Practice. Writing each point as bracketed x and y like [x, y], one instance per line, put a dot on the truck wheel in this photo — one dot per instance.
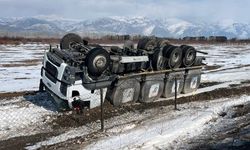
[97, 61]
[157, 60]
[161, 43]
[68, 39]
[188, 55]
[173, 55]
[165, 50]
[151, 45]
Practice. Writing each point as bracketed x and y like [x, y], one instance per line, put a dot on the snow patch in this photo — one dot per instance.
[20, 117]
[164, 129]
[148, 30]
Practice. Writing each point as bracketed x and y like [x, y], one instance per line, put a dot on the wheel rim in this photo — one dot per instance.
[99, 62]
[190, 56]
[176, 57]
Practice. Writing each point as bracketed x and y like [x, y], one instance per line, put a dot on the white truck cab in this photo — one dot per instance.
[53, 75]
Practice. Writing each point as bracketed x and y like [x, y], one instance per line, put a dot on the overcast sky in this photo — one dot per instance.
[208, 10]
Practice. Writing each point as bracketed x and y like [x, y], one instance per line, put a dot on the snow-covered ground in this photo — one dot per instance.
[167, 126]
[20, 66]
[153, 128]
[232, 60]
[26, 115]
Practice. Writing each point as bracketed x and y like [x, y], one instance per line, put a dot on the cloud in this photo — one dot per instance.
[208, 10]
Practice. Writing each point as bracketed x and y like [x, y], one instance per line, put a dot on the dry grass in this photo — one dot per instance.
[105, 40]
[22, 40]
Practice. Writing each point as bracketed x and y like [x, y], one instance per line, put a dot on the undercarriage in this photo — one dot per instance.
[74, 73]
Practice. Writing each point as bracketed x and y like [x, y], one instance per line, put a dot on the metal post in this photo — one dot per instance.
[102, 112]
[175, 93]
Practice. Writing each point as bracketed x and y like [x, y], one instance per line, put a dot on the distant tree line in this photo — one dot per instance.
[114, 38]
[219, 39]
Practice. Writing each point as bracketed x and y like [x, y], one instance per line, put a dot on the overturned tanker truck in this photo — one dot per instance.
[74, 72]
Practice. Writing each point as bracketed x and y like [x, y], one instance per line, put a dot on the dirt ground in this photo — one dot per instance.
[16, 94]
[28, 62]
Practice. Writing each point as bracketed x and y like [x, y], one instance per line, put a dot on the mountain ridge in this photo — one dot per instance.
[172, 27]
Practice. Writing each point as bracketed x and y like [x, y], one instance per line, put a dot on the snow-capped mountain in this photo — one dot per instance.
[53, 25]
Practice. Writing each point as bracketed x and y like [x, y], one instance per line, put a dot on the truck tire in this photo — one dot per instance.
[161, 43]
[68, 39]
[188, 55]
[173, 56]
[151, 44]
[97, 61]
[157, 59]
